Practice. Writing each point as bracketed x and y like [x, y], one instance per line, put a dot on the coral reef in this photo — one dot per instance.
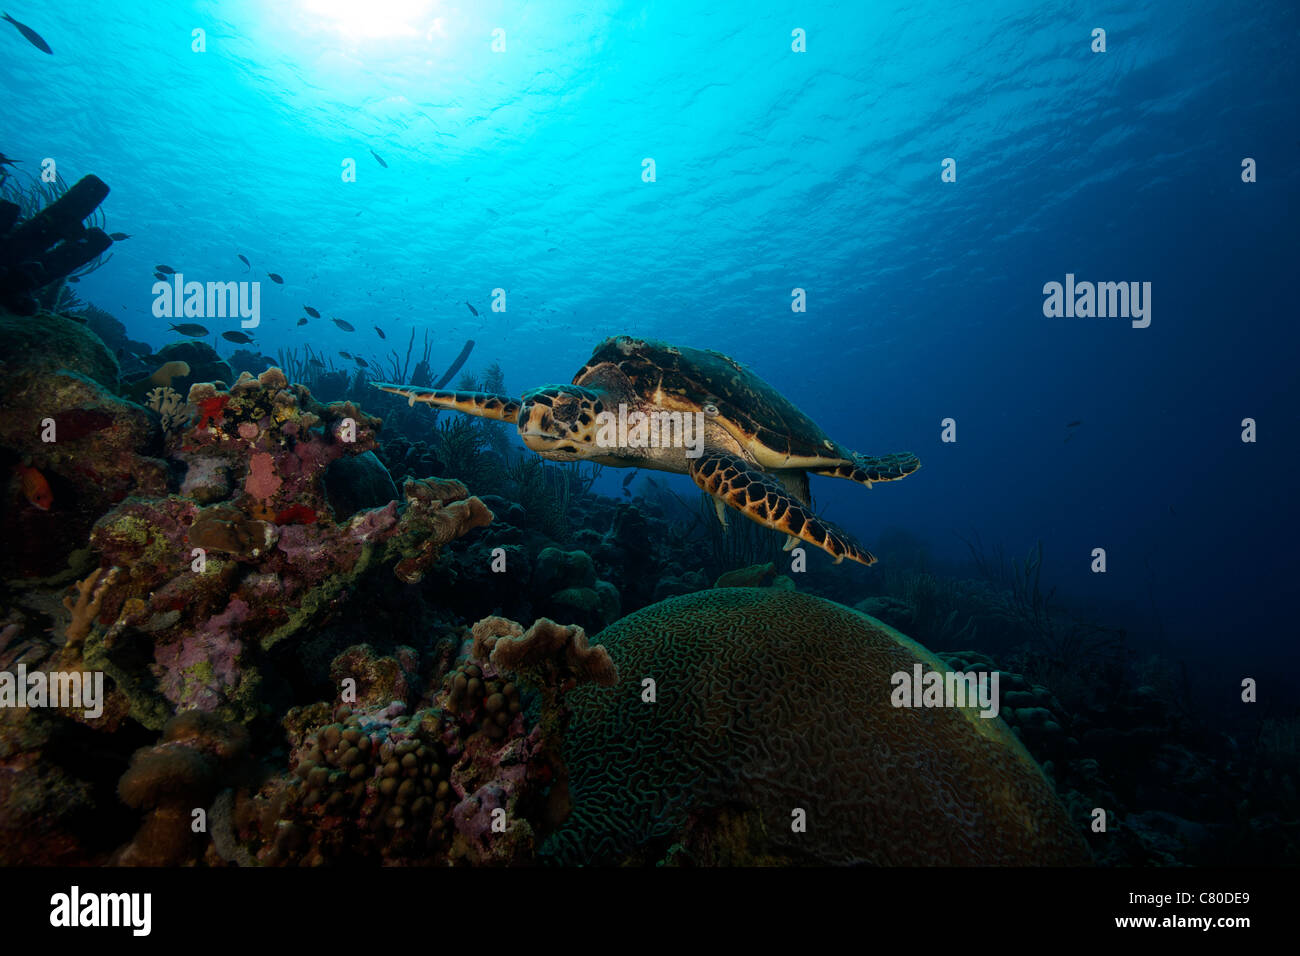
[271, 561]
[469, 777]
[173, 779]
[732, 742]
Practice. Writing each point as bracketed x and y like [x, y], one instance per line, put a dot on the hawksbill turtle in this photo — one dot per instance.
[755, 454]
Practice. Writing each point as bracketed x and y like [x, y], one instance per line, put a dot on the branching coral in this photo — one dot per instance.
[90, 595]
[174, 411]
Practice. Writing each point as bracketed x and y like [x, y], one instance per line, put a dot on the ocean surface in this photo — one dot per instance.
[521, 168]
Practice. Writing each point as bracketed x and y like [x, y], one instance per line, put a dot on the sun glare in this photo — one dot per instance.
[373, 18]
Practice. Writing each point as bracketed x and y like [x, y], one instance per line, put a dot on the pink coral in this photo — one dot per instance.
[263, 482]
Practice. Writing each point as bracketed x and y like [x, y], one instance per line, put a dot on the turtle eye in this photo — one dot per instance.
[710, 409]
[566, 409]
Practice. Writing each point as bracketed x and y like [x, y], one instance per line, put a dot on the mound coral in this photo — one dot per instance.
[768, 702]
[174, 778]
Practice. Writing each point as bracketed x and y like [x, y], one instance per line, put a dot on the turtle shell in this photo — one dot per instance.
[763, 420]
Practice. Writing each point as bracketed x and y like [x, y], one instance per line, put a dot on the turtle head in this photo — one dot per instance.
[560, 421]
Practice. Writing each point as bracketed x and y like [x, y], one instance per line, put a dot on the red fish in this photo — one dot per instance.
[35, 488]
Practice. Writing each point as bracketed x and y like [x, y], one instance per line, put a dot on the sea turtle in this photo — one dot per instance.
[644, 404]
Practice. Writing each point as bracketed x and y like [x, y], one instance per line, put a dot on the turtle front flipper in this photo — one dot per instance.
[865, 469]
[762, 498]
[480, 404]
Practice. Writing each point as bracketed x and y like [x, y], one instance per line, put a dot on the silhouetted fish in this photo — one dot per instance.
[165, 270]
[275, 278]
[192, 329]
[118, 236]
[244, 261]
[345, 355]
[316, 363]
[381, 332]
[302, 321]
[310, 311]
[160, 277]
[32, 36]
[345, 326]
[360, 361]
[73, 279]
[632, 474]
[6, 161]
[239, 337]
[1073, 424]
[378, 159]
[471, 308]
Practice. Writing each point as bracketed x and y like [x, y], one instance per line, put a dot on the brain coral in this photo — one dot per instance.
[768, 700]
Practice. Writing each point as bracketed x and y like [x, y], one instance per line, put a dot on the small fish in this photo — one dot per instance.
[6, 161]
[160, 277]
[345, 355]
[238, 337]
[302, 321]
[310, 311]
[35, 488]
[632, 474]
[192, 329]
[73, 279]
[381, 332]
[275, 278]
[315, 363]
[32, 36]
[471, 308]
[1073, 424]
[345, 326]
[378, 159]
[360, 361]
[241, 258]
[118, 236]
[165, 270]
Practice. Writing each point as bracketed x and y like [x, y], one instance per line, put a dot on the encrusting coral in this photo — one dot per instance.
[206, 591]
[471, 776]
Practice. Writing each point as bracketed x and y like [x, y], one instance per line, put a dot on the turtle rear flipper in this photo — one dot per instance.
[762, 498]
[480, 404]
[865, 469]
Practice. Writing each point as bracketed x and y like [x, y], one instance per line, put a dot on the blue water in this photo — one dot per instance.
[522, 170]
